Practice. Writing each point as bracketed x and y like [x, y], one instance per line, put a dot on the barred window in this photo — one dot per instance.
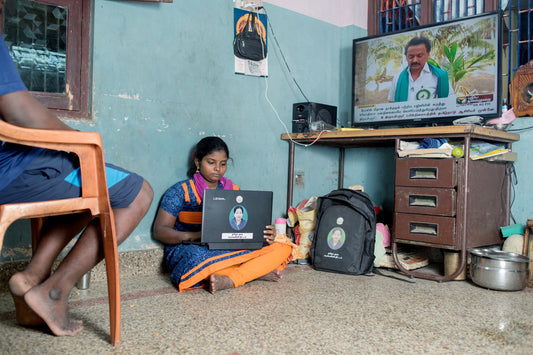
[49, 43]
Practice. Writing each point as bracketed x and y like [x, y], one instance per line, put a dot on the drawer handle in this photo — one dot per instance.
[423, 173]
[423, 228]
[422, 201]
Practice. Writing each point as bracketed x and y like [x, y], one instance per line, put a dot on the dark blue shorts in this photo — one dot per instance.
[55, 175]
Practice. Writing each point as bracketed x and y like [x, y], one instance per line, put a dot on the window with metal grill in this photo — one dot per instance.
[49, 43]
[399, 14]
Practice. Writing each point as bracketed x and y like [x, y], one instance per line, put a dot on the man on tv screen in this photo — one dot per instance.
[420, 80]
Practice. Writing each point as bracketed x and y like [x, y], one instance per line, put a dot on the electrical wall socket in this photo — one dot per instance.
[299, 178]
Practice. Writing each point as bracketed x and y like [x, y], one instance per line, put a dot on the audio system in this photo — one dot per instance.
[311, 116]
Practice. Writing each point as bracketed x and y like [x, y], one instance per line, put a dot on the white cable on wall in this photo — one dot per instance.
[294, 79]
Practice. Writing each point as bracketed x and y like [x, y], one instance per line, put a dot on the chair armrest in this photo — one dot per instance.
[86, 145]
[45, 137]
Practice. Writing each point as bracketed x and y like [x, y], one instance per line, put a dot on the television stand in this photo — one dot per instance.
[471, 183]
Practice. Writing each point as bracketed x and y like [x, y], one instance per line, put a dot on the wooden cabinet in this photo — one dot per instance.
[425, 201]
[452, 204]
[430, 196]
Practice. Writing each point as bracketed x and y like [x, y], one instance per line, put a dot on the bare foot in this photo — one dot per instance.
[53, 308]
[274, 275]
[219, 283]
[19, 284]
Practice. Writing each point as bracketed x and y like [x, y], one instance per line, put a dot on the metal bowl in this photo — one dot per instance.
[499, 126]
[498, 269]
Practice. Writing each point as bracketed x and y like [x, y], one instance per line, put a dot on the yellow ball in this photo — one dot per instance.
[458, 152]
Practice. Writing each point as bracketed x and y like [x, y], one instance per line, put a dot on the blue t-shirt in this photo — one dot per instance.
[10, 80]
[13, 158]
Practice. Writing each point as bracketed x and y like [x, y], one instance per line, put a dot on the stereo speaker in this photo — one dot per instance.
[311, 116]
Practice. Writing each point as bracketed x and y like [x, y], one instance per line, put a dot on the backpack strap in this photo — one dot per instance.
[377, 272]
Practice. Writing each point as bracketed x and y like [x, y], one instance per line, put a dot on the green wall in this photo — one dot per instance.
[163, 78]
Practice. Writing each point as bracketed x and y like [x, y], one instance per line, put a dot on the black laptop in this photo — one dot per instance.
[235, 219]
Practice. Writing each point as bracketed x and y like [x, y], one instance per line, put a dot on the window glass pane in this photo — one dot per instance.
[36, 35]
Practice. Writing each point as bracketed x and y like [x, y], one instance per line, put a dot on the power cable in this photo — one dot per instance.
[293, 78]
[281, 52]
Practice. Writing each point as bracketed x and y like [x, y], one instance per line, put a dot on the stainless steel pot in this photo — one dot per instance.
[498, 270]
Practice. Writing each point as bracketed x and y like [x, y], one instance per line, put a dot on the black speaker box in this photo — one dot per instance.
[311, 116]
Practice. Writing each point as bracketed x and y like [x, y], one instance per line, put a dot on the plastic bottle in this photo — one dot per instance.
[281, 226]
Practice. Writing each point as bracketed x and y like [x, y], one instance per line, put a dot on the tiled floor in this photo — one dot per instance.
[308, 312]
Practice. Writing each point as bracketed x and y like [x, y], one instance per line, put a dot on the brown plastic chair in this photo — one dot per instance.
[94, 198]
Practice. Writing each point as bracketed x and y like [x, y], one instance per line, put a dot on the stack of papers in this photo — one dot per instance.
[484, 150]
[478, 150]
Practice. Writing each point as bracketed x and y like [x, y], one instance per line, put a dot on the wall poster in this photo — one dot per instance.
[247, 66]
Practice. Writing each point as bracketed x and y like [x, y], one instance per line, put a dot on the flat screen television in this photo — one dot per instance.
[462, 77]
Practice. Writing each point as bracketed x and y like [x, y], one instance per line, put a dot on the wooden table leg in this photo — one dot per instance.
[290, 182]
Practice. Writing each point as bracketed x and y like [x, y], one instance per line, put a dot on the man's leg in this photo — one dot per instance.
[56, 233]
[49, 299]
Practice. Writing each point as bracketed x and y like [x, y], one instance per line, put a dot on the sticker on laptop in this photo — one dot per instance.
[238, 217]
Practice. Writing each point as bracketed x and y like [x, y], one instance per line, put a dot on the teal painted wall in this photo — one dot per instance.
[522, 191]
[163, 78]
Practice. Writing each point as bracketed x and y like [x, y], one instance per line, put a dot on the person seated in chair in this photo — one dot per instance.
[32, 174]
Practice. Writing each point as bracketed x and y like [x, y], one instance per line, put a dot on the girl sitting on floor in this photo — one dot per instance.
[179, 220]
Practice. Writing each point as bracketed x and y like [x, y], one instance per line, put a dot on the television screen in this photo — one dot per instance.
[429, 75]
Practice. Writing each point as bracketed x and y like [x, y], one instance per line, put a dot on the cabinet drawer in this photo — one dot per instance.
[425, 200]
[422, 228]
[428, 172]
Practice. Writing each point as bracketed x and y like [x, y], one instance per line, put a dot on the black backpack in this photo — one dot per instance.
[345, 233]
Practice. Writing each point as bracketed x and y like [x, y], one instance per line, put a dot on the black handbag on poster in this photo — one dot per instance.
[249, 44]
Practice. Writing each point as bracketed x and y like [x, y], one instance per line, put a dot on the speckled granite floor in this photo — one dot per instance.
[308, 312]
